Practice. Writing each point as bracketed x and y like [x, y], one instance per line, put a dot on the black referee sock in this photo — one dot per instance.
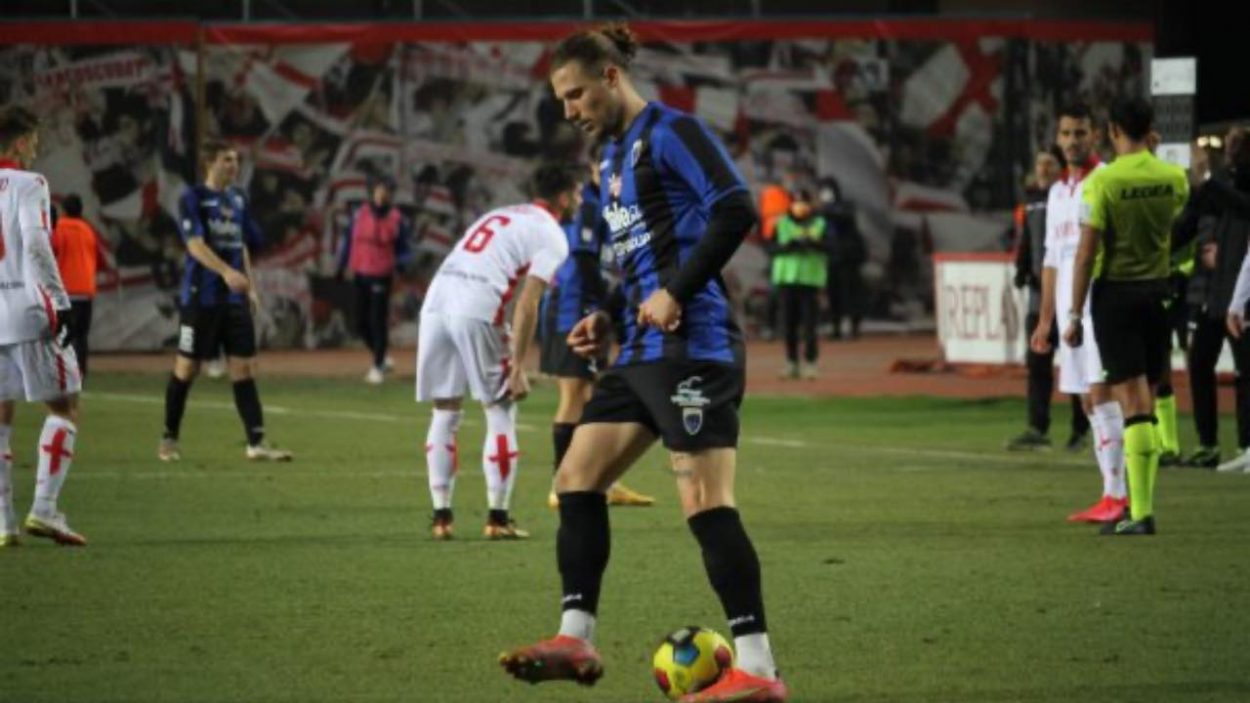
[732, 568]
[247, 401]
[561, 436]
[583, 544]
[175, 405]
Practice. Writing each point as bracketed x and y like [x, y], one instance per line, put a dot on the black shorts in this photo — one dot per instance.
[557, 359]
[1132, 325]
[690, 405]
[205, 332]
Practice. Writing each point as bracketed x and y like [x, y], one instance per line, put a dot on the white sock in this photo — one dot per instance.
[56, 453]
[441, 457]
[577, 623]
[8, 519]
[755, 655]
[1109, 448]
[499, 455]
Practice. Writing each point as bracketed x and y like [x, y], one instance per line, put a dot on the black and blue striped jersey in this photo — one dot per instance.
[572, 294]
[222, 220]
[659, 182]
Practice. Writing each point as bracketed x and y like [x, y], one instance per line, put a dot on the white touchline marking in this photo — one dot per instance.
[765, 440]
[284, 410]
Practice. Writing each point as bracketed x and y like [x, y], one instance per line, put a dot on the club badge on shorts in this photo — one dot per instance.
[691, 401]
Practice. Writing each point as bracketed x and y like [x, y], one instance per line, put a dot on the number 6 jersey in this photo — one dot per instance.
[478, 277]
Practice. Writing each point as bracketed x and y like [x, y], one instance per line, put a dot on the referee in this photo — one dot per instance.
[1126, 223]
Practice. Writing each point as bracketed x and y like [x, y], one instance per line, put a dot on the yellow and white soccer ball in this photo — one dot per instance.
[690, 659]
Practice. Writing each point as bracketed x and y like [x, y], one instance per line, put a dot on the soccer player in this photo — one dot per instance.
[377, 242]
[217, 301]
[577, 290]
[36, 361]
[677, 209]
[1080, 368]
[1126, 228]
[463, 343]
[77, 247]
[1030, 253]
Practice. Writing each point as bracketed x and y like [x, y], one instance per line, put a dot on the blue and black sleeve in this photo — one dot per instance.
[706, 168]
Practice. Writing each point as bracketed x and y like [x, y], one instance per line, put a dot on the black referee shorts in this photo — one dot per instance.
[1132, 326]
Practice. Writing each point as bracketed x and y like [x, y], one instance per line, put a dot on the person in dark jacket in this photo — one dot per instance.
[1030, 223]
[1226, 199]
[847, 253]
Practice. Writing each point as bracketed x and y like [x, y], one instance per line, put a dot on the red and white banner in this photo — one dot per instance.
[908, 118]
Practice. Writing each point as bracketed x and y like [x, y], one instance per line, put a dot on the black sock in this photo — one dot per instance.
[175, 405]
[1165, 390]
[561, 435]
[583, 544]
[498, 517]
[247, 401]
[732, 568]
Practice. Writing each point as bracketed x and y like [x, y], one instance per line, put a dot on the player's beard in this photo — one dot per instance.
[614, 124]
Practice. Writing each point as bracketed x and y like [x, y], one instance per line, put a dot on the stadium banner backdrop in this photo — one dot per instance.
[928, 126]
[979, 313]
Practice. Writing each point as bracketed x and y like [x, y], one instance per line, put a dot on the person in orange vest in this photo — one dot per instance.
[774, 203]
[77, 248]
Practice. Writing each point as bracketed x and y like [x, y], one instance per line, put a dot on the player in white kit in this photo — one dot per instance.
[464, 343]
[36, 362]
[1080, 368]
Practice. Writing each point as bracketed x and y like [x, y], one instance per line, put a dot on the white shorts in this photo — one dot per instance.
[1081, 366]
[39, 370]
[455, 353]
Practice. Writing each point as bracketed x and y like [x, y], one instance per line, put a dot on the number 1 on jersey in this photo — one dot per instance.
[481, 236]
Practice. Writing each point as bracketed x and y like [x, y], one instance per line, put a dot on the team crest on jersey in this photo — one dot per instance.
[691, 401]
[634, 153]
[614, 186]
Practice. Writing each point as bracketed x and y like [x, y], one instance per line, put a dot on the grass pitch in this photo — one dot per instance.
[906, 558]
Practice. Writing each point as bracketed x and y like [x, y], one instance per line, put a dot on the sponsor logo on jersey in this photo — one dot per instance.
[226, 233]
[1158, 190]
[621, 218]
[630, 245]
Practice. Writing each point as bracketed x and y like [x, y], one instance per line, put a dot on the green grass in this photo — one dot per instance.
[906, 558]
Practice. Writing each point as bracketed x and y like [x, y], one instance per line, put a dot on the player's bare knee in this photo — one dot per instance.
[186, 369]
[65, 407]
[705, 479]
[573, 477]
[451, 404]
[241, 369]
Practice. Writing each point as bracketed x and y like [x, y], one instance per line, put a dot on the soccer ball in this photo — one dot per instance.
[690, 659]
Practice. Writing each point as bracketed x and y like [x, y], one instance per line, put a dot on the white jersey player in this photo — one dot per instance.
[35, 362]
[464, 346]
[1080, 368]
